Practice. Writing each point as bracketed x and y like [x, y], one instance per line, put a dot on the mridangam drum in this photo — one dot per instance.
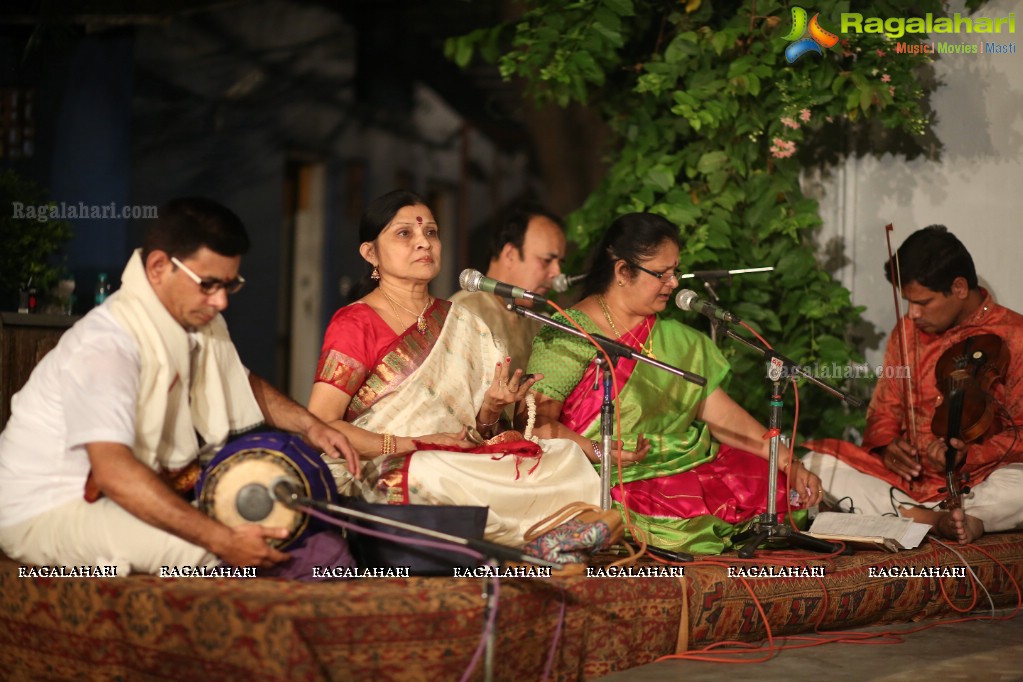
[234, 488]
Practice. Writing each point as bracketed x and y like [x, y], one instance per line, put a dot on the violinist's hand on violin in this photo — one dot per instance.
[903, 458]
[936, 453]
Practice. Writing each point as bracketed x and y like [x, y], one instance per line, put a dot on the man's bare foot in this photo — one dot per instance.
[954, 525]
[957, 525]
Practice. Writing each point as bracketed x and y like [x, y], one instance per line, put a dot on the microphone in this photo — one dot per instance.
[474, 280]
[688, 300]
[284, 490]
[562, 282]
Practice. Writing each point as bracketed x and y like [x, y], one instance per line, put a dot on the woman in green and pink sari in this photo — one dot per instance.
[694, 463]
[417, 384]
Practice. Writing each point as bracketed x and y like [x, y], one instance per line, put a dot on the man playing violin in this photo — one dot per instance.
[901, 466]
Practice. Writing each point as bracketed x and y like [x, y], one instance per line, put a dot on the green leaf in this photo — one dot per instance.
[830, 348]
[866, 97]
[680, 48]
[711, 161]
[757, 214]
[460, 50]
[719, 233]
[661, 178]
[622, 8]
[740, 66]
[721, 41]
[585, 63]
[609, 20]
[754, 84]
[683, 214]
[716, 180]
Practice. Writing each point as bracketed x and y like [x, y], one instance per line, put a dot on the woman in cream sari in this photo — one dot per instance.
[416, 382]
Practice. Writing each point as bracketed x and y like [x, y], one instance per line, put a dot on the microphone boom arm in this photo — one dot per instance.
[793, 368]
[613, 348]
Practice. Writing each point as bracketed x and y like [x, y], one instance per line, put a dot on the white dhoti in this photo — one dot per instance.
[101, 533]
[997, 501]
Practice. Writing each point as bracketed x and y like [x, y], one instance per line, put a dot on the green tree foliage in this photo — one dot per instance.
[710, 123]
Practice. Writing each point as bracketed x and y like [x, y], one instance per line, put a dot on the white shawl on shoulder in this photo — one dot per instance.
[174, 407]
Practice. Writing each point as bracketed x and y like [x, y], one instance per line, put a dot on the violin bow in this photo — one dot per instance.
[896, 277]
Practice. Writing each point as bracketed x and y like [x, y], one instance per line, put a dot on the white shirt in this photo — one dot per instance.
[84, 391]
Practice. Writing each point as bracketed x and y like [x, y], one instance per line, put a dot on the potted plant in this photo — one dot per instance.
[29, 239]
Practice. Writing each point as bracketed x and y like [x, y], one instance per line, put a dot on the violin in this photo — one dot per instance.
[965, 374]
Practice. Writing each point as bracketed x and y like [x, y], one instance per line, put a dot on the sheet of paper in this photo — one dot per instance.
[906, 532]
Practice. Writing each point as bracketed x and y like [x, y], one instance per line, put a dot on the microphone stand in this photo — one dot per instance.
[766, 528]
[614, 350]
[607, 416]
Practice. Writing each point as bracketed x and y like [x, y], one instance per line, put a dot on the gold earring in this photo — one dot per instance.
[621, 283]
[376, 274]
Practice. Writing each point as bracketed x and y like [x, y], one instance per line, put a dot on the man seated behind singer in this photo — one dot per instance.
[526, 251]
[900, 467]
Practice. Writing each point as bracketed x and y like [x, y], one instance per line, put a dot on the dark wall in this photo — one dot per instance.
[82, 149]
[245, 174]
[90, 162]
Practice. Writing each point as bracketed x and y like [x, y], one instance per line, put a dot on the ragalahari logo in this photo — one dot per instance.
[819, 37]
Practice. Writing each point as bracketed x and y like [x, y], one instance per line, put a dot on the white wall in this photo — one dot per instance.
[976, 188]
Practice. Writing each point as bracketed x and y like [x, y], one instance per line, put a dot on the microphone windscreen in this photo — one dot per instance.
[470, 279]
[560, 283]
[282, 489]
[685, 299]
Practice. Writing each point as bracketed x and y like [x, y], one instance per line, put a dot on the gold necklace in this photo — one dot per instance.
[647, 349]
[420, 320]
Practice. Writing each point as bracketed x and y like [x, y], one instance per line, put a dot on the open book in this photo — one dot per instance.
[884, 532]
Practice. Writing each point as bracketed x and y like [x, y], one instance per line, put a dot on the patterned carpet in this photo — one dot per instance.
[264, 630]
[991, 651]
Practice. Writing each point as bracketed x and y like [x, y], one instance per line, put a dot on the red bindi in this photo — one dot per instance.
[419, 219]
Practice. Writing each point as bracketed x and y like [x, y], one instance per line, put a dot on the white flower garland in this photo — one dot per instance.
[530, 417]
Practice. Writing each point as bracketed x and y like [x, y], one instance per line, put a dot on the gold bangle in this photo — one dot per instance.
[388, 444]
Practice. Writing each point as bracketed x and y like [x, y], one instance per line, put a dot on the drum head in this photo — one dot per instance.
[236, 491]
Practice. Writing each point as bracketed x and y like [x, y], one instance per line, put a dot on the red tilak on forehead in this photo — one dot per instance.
[419, 219]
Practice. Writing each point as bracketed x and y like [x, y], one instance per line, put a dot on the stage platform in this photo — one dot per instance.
[427, 628]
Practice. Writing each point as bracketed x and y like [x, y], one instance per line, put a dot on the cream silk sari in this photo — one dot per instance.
[434, 383]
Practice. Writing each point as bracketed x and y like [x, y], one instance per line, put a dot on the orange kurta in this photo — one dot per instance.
[888, 415]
